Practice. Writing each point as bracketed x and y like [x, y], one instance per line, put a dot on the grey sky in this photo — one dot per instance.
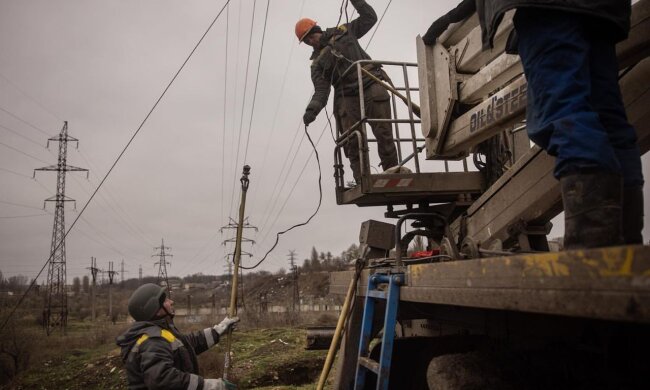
[100, 65]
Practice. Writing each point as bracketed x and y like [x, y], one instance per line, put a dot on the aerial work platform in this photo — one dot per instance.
[411, 188]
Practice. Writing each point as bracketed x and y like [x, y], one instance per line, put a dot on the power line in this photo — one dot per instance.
[22, 136]
[225, 99]
[20, 205]
[23, 216]
[280, 101]
[320, 200]
[24, 121]
[259, 65]
[30, 98]
[369, 42]
[23, 153]
[243, 101]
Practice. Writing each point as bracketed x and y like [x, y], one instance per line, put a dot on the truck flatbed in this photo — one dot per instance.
[605, 283]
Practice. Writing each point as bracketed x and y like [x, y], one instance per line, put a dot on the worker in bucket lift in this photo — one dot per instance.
[575, 110]
[335, 49]
[156, 354]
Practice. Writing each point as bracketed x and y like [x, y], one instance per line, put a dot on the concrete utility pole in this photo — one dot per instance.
[55, 313]
[111, 274]
[232, 312]
[162, 266]
[93, 272]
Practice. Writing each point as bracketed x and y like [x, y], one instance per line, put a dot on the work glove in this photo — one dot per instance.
[218, 384]
[309, 117]
[226, 324]
[462, 11]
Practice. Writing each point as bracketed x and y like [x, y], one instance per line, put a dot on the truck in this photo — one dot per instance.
[491, 303]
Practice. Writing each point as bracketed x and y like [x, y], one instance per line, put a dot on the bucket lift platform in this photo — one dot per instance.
[413, 188]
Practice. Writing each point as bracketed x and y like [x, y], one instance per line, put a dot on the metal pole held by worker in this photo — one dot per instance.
[232, 311]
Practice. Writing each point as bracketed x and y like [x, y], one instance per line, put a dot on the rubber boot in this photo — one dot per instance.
[592, 210]
[633, 215]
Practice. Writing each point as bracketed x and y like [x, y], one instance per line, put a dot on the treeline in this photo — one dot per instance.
[325, 261]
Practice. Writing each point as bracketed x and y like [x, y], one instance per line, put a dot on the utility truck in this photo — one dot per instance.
[491, 304]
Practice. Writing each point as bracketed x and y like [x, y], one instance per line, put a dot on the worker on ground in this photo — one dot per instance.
[575, 110]
[156, 354]
[335, 49]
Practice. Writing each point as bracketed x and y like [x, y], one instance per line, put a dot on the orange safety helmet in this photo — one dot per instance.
[303, 27]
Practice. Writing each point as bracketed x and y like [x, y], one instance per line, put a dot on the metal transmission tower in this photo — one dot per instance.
[55, 313]
[162, 266]
[93, 271]
[295, 301]
[111, 274]
[234, 225]
[122, 272]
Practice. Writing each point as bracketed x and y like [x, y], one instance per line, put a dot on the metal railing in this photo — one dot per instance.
[358, 132]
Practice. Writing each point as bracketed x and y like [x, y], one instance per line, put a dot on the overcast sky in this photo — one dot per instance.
[101, 65]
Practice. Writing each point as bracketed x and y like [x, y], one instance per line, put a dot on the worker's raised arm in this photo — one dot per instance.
[462, 11]
[367, 18]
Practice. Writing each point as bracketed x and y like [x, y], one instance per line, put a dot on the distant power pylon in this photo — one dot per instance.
[111, 274]
[295, 300]
[122, 272]
[162, 266]
[55, 313]
[93, 271]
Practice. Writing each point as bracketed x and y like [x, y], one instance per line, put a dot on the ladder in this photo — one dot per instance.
[365, 364]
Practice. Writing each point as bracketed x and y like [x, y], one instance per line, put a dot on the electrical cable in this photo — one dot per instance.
[225, 99]
[22, 136]
[30, 98]
[25, 122]
[317, 158]
[280, 101]
[23, 153]
[320, 201]
[74, 222]
[378, 23]
[257, 77]
[23, 216]
[243, 101]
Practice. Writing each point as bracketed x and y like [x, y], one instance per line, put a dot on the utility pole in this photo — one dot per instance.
[162, 266]
[93, 271]
[232, 312]
[55, 313]
[122, 273]
[111, 274]
[234, 225]
[140, 274]
[295, 302]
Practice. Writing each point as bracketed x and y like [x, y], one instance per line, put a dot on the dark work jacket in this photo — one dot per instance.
[157, 356]
[339, 48]
[614, 15]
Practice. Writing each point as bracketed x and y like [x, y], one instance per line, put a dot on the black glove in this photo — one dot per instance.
[436, 29]
[309, 117]
[462, 11]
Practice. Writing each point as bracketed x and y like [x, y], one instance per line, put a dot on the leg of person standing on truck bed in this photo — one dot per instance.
[575, 113]
[607, 101]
